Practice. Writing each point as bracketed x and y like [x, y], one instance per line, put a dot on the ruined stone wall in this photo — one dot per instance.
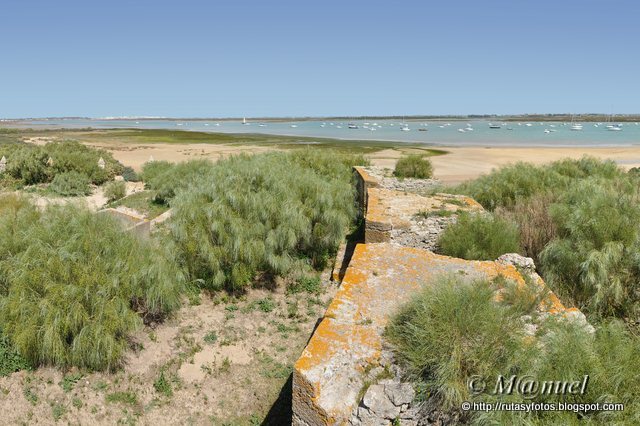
[382, 275]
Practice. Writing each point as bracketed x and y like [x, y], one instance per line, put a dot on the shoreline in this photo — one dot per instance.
[399, 143]
[459, 163]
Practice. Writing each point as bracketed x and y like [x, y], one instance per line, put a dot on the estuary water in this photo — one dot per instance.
[443, 133]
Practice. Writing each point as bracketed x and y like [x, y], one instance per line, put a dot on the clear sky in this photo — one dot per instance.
[308, 58]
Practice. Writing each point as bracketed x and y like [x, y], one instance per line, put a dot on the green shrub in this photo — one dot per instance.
[70, 156]
[70, 184]
[594, 260]
[177, 177]
[510, 184]
[129, 175]
[74, 285]
[414, 166]
[535, 224]
[307, 283]
[153, 169]
[10, 359]
[455, 330]
[32, 164]
[115, 190]
[266, 214]
[578, 220]
[479, 237]
[26, 163]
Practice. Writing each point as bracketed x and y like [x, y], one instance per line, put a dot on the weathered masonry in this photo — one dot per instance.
[382, 275]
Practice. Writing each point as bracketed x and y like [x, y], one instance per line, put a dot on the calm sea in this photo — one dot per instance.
[445, 133]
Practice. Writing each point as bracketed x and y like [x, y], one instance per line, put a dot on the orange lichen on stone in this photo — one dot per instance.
[389, 210]
[369, 180]
[380, 279]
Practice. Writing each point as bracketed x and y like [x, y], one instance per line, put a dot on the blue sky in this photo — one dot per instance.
[300, 58]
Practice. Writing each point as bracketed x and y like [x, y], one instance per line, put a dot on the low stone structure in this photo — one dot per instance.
[347, 350]
[385, 179]
[131, 222]
[410, 219]
[381, 277]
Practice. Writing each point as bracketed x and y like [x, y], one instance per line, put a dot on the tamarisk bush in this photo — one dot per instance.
[264, 214]
[579, 219]
[74, 285]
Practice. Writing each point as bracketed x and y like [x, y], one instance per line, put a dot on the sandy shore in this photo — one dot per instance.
[135, 155]
[467, 163]
[459, 165]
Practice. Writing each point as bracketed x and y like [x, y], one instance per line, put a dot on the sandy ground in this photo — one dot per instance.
[462, 163]
[95, 201]
[136, 155]
[225, 362]
[467, 163]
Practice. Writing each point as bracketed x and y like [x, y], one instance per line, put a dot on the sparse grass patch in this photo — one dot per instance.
[142, 202]
[211, 337]
[69, 381]
[435, 213]
[58, 411]
[162, 385]
[266, 305]
[128, 397]
[307, 283]
[271, 368]
[30, 395]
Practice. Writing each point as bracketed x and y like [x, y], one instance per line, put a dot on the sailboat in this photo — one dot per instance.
[404, 127]
[575, 126]
[244, 121]
[613, 127]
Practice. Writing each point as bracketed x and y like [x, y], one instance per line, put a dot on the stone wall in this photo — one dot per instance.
[382, 275]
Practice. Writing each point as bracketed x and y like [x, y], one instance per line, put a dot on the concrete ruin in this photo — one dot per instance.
[132, 222]
[382, 275]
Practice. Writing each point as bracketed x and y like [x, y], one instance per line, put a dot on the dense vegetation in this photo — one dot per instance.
[267, 214]
[115, 190]
[480, 237]
[74, 285]
[70, 184]
[168, 179]
[29, 164]
[455, 329]
[414, 166]
[579, 220]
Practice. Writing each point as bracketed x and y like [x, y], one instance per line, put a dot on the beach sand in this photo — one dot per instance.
[470, 162]
[135, 155]
[458, 165]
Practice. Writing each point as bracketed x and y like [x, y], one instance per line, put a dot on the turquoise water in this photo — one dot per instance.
[444, 133]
